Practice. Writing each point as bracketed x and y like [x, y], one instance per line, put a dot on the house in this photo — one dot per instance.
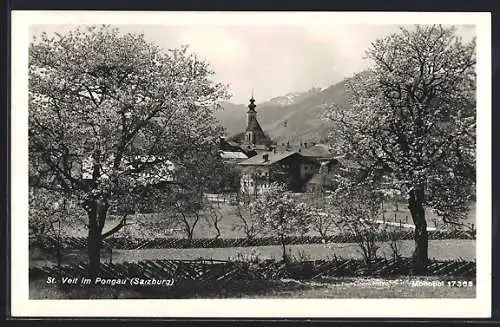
[287, 167]
[326, 179]
[331, 172]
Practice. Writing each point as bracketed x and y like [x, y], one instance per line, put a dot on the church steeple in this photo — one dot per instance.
[252, 124]
[251, 113]
[254, 135]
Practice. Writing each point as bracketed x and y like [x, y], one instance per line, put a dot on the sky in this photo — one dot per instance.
[272, 60]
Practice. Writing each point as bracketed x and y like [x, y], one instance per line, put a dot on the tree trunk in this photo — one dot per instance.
[285, 258]
[416, 206]
[94, 243]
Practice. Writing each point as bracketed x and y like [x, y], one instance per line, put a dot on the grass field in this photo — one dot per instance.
[285, 288]
[438, 249]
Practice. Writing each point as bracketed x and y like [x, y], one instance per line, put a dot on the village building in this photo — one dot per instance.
[289, 168]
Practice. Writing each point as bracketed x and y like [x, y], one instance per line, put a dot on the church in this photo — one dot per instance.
[264, 164]
[250, 142]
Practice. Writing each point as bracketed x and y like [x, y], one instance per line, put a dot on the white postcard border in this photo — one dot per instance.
[21, 305]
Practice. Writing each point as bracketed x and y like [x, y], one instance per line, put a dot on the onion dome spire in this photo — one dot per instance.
[252, 104]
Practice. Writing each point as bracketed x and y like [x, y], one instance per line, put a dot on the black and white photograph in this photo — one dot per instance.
[252, 156]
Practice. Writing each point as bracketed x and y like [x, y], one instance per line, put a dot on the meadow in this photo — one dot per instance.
[165, 225]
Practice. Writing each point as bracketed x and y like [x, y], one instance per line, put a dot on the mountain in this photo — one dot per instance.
[302, 113]
[291, 98]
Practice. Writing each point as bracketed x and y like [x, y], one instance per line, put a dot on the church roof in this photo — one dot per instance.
[254, 126]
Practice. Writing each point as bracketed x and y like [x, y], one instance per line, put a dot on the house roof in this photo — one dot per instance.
[316, 151]
[233, 155]
[313, 151]
[273, 157]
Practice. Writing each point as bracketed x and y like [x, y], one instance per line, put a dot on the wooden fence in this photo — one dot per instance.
[47, 242]
[202, 270]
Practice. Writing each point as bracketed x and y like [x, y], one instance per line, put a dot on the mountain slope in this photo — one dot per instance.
[303, 115]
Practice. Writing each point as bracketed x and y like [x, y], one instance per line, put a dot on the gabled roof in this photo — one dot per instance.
[273, 157]
[316, 151]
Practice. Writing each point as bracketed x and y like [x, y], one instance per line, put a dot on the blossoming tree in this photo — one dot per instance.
[113, 119]
[279, 214]
[414, 117]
